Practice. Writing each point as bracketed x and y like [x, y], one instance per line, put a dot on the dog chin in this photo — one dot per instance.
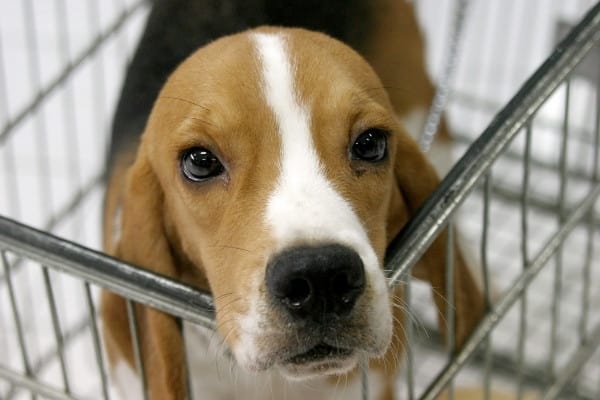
[317, 369]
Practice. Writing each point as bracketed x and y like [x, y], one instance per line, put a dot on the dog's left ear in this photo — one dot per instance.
[416, 179]
[143, 242]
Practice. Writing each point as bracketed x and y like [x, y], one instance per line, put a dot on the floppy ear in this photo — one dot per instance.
[143, 242]
[416, 180]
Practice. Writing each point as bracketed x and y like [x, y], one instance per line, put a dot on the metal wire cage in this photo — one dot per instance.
[523, 198]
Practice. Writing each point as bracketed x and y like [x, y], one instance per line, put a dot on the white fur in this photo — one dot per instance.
[304, 206]
[216, 377]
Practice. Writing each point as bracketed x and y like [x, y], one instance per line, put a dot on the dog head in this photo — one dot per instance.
[274, 172]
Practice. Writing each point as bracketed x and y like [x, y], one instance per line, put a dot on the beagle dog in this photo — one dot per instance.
[272, 166]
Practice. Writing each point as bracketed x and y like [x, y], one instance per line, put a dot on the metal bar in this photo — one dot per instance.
[587, 270]
[56, 328]
[535, 201]
[33, 385]
[512, 294]
[44, 169]
[584, 352]
[364, 377]
[486, 281]
[99, 82]
[409, 329]
[137, 350]
[44, 93]
[188, 378]
[415, 238]
[504, 366]
[96, 340]
[16, 316]
[122, 37]
[70, 334]
[78, 198]
[49, 355]
[574, 172]
[135, 283]
[12, 187]
[450, 315]
[69, 113]
[524, 257]
[558, 267]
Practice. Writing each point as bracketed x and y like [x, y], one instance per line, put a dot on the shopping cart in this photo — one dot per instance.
[523, 197]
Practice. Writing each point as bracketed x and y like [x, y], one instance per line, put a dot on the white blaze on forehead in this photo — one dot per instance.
[304, 207]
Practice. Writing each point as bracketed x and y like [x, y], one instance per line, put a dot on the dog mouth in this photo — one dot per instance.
[321, 359]
[320, 352]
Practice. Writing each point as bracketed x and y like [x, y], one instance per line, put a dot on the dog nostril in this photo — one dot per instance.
[316, 282]
[340, 286]
[343, 284]
[299, 292]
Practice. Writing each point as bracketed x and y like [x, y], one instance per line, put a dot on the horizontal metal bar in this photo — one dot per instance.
[125, 279]
[415, 238]
[10, 126]
[76, 200]
[513, 294]
[33, 385]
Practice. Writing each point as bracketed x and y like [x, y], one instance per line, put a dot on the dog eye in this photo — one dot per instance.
[199, 164]
[370, 146]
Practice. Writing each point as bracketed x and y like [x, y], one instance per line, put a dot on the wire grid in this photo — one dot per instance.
[51, 180]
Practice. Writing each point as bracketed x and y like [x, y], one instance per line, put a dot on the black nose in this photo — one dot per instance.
[316, 282]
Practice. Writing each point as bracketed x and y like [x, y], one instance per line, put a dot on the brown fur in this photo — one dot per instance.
[160, 210]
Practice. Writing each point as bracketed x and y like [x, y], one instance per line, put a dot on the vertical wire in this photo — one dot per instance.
[11, 192]
[450, 322]
[137, 352]
[58, 337]
[69, 112]
[486, 281]
[122, 36]
[524, 257]
[43, 164]
[559, 251]
[188, 380]
[483, 74]
[10, 173]
[587, 272]
[99, 97]
[16, 317]
[96, 340]
[364, 377]
[409, 329]
[44, 169]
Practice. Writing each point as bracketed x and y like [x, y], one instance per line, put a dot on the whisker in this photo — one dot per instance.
[184, 101]
[223, 246]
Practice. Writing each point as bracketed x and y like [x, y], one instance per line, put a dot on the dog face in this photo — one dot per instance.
[274, 173]
[275, 168]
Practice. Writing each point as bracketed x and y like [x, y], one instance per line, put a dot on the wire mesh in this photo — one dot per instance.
[530, 223]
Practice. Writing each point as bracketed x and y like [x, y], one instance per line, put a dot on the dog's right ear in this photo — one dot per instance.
[143, 242]
[416, 180]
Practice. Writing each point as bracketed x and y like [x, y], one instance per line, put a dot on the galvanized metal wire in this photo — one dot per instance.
[20, 244]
